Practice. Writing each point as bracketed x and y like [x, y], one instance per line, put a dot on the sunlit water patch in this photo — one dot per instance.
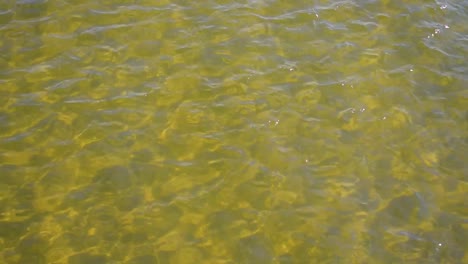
[233, 132]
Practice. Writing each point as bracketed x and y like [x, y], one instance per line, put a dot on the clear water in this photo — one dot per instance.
[255, 131]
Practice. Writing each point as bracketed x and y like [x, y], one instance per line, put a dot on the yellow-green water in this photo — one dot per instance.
[255, 131]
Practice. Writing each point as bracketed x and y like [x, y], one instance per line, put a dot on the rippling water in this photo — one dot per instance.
[258, 131]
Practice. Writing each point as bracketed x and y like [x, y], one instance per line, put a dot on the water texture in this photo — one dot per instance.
[255, 131]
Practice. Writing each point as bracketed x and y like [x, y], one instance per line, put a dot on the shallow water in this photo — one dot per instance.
[259, 131]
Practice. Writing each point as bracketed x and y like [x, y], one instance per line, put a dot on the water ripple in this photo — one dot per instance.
[297, 129]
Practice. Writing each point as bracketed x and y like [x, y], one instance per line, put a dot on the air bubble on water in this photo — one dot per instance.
[314, 12]
[438, 246]
[273, 122]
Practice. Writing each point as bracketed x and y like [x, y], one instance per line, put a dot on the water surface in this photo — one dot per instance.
[256, 131]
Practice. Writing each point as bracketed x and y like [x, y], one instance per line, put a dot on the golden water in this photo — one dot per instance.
[254, 131]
